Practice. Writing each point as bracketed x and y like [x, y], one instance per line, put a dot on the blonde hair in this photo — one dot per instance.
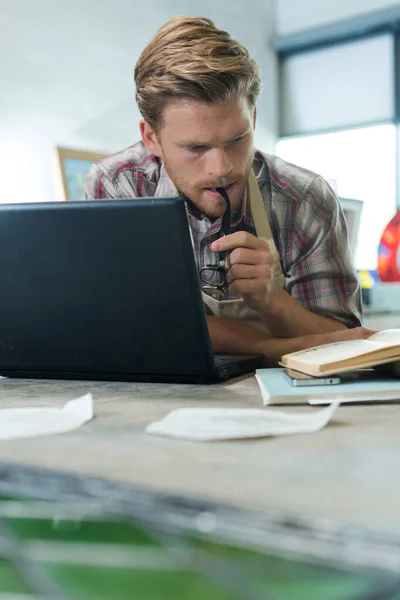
[189, 58]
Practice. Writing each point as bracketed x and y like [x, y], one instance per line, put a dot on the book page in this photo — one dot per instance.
[387, 337]
[334, 352]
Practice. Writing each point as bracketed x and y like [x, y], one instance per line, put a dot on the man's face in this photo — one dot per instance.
[204, 146]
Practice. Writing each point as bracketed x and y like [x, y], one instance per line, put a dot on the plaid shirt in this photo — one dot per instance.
[306, 221]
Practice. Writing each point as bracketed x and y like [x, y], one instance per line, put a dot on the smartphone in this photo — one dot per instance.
[298, 379]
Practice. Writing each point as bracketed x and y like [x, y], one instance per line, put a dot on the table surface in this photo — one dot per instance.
[350, 470]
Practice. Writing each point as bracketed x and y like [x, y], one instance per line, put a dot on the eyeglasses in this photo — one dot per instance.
[213, 277]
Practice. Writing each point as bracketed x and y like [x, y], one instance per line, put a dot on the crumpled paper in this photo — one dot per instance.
[18, 423]
[211, 424]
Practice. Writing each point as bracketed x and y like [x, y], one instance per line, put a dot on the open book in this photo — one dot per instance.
[382, 347]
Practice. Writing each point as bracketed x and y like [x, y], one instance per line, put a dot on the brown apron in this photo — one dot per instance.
[237, 309]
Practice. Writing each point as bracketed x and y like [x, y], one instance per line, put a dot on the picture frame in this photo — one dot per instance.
[72, 167]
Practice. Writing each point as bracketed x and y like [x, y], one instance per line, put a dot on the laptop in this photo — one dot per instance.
[105, 290]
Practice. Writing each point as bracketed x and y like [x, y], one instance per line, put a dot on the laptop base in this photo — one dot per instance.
[222, 372]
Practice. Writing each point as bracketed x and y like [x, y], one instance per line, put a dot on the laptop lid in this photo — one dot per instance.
[103, 289]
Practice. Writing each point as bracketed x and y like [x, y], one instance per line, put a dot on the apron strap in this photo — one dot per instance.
[262, 225]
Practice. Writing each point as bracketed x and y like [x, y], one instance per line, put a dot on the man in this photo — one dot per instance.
[292, 286]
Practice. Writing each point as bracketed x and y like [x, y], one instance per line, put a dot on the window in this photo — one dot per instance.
[345, 85]
[360, 164]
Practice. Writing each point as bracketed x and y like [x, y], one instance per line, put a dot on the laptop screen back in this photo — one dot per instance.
[100, 287]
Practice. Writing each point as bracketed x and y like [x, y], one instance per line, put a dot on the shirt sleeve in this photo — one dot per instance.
[98, 185]
[320, 271]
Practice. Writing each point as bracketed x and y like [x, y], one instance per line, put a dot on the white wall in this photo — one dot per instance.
[292, 16]
[68, 78]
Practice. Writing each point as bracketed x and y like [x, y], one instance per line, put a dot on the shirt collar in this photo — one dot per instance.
[165, 188]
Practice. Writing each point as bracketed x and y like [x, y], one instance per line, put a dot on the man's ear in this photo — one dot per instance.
[149, 138]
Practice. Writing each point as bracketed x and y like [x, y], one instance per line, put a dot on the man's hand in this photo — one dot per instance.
[249, 266]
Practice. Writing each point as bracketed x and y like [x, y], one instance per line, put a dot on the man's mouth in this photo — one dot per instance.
[213, 190]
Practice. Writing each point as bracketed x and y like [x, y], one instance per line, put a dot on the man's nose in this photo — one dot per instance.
[218, 164]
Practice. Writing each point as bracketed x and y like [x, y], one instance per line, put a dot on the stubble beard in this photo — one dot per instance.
[195, 200]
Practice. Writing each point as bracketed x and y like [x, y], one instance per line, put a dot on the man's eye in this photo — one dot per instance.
[235, 141]
[196, 149]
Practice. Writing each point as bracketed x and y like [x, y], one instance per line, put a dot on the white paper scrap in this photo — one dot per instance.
[18, 423]
[206, 424]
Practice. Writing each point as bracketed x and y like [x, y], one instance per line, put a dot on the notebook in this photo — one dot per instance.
[359, 386]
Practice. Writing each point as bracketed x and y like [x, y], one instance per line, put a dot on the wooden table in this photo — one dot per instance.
[350, 470]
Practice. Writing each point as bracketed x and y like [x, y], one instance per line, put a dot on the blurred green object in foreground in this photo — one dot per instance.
[130, 545]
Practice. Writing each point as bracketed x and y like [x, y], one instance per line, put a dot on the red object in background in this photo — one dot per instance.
[389, 251]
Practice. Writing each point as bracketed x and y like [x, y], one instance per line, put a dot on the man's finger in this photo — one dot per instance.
[244, 287]
[239, 239]
[245, 256]
[248, 272]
